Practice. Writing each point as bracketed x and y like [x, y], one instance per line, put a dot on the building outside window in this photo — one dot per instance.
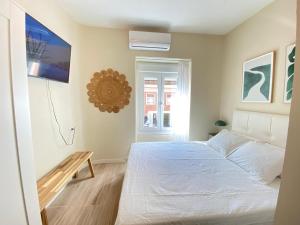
[150, 98]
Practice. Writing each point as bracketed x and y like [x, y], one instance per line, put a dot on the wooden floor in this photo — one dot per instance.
[89, 201]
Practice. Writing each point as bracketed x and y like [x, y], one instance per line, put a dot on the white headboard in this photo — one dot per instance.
[272, 128]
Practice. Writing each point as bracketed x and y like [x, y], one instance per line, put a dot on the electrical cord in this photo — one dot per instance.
[49, 93]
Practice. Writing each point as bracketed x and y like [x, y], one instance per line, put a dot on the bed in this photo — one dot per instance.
[191, 184]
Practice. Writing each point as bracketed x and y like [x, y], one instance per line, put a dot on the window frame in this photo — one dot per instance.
[160, 73]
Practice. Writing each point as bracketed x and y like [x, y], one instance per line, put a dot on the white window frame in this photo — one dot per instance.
[159, 71]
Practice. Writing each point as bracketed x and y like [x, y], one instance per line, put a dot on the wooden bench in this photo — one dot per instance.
[50, 184]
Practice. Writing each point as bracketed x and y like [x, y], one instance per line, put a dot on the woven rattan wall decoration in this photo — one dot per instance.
[109, 91]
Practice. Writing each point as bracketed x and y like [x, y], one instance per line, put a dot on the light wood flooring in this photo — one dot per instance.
[89, 201]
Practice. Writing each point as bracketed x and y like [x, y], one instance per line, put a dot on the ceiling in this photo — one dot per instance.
[191, 16]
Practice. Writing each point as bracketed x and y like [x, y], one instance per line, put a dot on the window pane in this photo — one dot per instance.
[170, 89]
[150, 102]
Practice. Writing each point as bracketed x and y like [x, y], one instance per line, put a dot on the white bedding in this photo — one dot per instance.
[191, 184]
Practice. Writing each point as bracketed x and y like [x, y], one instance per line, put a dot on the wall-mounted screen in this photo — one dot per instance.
[48, 56]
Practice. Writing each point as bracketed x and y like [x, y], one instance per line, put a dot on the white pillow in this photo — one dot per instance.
[262, 161]
[226, 142]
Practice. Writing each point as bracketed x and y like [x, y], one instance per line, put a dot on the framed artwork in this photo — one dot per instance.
[289, 72]
[258, 78]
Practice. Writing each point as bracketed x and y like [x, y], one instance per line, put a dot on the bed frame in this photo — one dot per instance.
[271, 128]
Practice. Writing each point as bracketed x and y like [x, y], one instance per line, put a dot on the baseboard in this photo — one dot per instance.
[106, 161]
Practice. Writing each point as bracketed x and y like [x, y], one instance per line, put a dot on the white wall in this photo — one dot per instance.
[110, 135]
[289, 198]
[49, 150]
[272, 29]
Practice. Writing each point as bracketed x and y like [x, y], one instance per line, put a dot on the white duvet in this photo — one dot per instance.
[191, 184]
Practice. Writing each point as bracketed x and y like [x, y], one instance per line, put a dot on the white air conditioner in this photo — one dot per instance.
[150, 41]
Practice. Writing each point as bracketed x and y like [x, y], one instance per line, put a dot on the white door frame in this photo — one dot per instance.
[21, 106]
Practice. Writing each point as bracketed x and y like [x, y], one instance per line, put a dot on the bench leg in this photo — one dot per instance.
[91, 168]
[44, 217]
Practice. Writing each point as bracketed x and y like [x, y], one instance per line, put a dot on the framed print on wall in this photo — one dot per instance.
[289, 72]
[258, 78]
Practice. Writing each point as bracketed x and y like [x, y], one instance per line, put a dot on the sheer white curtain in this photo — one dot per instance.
[180, 105]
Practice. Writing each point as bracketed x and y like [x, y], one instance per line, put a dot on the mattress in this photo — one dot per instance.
[191, 184]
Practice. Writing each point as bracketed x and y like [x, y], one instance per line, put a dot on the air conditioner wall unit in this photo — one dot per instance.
[151, 41]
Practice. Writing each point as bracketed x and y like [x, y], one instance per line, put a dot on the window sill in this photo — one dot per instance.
[161, 132]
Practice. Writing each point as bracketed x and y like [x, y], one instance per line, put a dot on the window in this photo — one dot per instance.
[162, 97]
[150, 98]
[168, 97]
[158, 91]
[169, 89]
[150, 106]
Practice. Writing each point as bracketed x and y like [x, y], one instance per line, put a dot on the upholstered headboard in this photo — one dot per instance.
[272, 128]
